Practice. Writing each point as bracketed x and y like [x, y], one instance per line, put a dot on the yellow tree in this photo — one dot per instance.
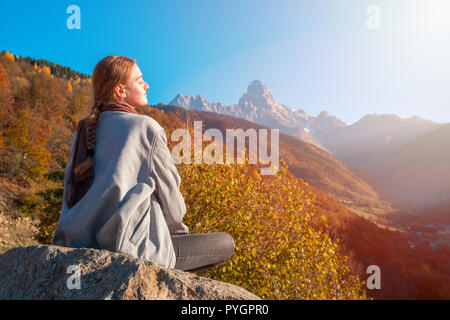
[280, 252]
[26, 137]
[9, 55]
[5, 93]
[5, 99]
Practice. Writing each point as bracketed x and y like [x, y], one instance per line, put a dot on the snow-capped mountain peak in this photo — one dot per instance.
[258, 105]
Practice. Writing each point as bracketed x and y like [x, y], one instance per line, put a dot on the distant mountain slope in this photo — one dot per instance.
[419, 172]
[307, 162]
[259, 106]
[373, 138]
[408, 272]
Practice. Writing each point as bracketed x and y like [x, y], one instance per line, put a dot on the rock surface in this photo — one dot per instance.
[44, 272]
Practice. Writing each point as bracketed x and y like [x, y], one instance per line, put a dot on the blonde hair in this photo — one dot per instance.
[108, 73]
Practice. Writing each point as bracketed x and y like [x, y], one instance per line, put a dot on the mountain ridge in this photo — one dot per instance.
[306, 161]
[418, 172]
[325, 131]
[259, 106]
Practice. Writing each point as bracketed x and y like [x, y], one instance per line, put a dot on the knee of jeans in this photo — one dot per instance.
[230, 243]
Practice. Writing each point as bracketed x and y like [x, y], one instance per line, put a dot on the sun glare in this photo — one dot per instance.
[431, 18]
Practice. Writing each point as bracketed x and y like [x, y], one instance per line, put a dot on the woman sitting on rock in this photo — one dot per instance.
[121, 189]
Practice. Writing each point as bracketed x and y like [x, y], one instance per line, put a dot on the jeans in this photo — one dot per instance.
[201, 251]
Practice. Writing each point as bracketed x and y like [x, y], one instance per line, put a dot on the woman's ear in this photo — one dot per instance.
[119, 90]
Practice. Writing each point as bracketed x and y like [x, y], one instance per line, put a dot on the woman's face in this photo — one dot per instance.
[135, 90]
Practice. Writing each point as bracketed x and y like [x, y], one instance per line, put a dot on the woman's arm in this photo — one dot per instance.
[168, 183]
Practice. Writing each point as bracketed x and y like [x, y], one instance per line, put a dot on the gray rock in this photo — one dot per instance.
[41, 272]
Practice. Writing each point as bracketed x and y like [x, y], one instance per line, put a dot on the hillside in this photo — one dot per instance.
[411, 268]
[367, 242]
[373, 138]
[418, 173]
[307, 162]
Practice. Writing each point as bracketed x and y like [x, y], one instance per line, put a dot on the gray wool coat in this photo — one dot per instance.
[134, 203]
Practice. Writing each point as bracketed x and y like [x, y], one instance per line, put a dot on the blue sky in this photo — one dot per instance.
[312, 55]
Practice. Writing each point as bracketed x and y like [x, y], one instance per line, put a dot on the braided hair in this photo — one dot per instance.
[108, 73]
